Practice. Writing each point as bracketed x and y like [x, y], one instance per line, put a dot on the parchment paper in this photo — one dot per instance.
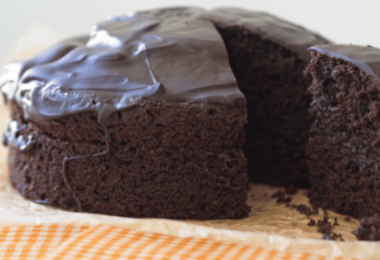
[270, 225]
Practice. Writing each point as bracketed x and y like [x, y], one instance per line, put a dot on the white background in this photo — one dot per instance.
[343, 21]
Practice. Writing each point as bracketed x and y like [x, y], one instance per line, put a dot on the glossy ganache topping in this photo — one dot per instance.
[163, 55]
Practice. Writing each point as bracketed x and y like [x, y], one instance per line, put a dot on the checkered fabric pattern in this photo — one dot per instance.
[72, 242]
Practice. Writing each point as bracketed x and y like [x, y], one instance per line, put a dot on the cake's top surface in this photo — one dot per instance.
[165, 55]
[173, 54]
[367, 58]
[292, 36]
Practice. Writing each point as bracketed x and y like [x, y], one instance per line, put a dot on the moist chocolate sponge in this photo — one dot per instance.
[150, 170]
[344, 142]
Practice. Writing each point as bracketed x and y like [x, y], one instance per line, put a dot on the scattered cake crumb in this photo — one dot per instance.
[281, 197]
[333, 236]
[347, 219]
[368, 229]
[311, 223]
[324, 226]
[302, 208]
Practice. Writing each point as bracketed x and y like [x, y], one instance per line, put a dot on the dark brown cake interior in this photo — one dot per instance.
[344, 147]
[271, 78]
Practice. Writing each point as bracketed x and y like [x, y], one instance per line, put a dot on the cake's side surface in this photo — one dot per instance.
[142, 119]
[344, 143]
[166, 160]
[268, 57]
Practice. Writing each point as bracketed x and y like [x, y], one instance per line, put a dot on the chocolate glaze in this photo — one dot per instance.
[367, 58]
[12, 136]
[164, 55]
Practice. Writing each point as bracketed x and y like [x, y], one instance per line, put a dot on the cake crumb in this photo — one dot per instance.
[311, 223]
[302, 208]
[368, 229]
[326, 228]
[347, 219]
[333, 236]
[281, 198]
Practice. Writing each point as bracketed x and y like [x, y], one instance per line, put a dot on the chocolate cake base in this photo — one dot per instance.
[174, 161]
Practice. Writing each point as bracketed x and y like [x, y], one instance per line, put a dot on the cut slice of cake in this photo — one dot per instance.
[345, 139]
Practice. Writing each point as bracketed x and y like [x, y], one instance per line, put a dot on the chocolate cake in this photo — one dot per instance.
[344, 143]
[145, 118]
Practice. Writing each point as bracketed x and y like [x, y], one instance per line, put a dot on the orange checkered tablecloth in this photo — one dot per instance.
[72, 242]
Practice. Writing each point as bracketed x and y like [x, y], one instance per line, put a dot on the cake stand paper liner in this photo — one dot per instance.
[270, 225]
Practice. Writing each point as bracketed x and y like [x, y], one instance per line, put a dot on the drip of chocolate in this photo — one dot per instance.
[66, 160]
[12, 136]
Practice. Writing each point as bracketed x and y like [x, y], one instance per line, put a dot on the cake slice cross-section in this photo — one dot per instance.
[344, 146]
